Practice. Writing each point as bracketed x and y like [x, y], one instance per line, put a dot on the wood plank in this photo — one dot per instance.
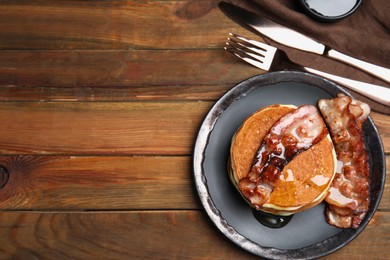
[113, 24]
[84, 68]
[156, 234]
[93, 183]
[119, 94]
[73, 128]
[125, 235]
[382, 122]
[165, 128]
[373, 241]
[90, 183]
[385, 201]
[109, 74]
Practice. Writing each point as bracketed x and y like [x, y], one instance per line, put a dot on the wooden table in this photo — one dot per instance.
[100, 107]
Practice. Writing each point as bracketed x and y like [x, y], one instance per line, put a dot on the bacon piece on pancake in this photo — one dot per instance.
[295, 132]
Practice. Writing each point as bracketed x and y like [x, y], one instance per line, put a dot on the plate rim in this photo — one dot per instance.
[212, 211]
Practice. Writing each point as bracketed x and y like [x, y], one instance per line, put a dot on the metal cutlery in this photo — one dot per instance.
[266, 57]
[291, 38]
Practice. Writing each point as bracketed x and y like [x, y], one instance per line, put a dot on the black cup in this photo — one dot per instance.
[329, 10]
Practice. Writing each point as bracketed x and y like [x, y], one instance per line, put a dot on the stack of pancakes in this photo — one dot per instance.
[304, 181]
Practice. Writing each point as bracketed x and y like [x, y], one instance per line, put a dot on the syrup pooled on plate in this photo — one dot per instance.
[270, 220]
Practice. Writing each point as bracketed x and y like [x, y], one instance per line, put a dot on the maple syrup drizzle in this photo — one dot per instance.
[293, 133]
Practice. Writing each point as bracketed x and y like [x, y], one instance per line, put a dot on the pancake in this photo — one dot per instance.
[249, 136]
[304, 181]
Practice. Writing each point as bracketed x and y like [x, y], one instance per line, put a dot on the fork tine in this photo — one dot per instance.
[253, 52]
[242, 48]
[260, 45]
[255, 49]
[239, 53]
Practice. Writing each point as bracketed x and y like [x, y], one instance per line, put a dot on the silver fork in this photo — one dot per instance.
[269, 58]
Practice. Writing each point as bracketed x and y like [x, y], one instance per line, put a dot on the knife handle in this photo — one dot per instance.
[372, 69]
[377, 93]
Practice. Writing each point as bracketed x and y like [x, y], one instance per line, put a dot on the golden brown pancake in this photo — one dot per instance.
[304, 181]
[249, 136]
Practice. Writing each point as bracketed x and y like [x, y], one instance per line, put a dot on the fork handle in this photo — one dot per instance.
[378, 71]
[377, 93]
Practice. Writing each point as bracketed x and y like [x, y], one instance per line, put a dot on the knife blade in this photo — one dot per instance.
[294, 39]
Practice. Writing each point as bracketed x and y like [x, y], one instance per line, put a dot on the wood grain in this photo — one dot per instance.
[117, 94]
[106, 182]
[119, 75]
[382, 123]
[84, 68]
[156, 234]
[113, 25]
[93, 183]
[164, 128]
[100, 105]
[100, 128]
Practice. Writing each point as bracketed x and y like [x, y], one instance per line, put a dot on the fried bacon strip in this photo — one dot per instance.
[349, 196]
[293, 133]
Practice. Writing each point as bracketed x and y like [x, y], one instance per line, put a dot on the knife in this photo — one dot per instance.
[291, 38]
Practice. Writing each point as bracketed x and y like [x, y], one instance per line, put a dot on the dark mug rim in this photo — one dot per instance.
[324, 18]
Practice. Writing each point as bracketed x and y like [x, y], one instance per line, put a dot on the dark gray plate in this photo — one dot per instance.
[307, 235]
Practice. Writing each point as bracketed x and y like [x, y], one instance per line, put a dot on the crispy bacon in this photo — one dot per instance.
[349, 196]
[293, 133]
